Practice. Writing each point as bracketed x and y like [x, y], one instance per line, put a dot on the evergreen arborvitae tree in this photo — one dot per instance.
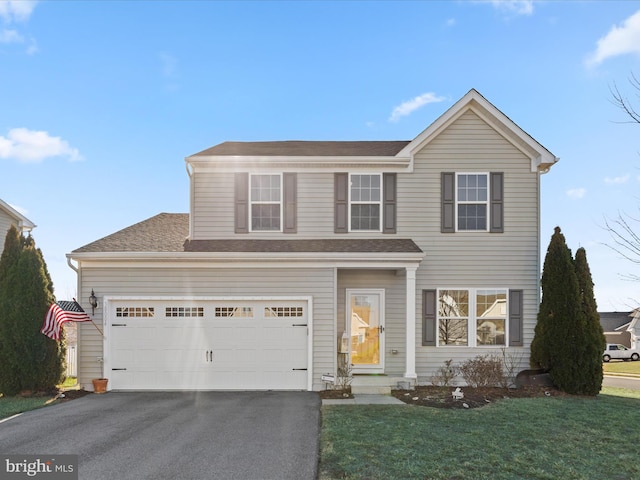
[594, 340]
[558, 344]
[30, 360]
[9, 382]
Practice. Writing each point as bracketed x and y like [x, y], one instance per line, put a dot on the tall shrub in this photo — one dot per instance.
[594, 340]
[558, 342]
[33, 361]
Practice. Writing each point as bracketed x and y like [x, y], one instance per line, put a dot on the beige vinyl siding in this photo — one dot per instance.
[239, 282]
[471, 259]
[394, 286]
[214, 197]
[5, 223]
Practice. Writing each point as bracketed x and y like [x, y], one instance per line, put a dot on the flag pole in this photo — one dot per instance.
[94, 324]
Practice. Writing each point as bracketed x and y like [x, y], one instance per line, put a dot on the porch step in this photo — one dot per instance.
[370, 390]
[374, 384]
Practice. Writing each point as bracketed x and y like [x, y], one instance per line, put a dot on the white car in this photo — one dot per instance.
[615, 350]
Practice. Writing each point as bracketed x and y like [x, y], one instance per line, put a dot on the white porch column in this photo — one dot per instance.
[410, 369]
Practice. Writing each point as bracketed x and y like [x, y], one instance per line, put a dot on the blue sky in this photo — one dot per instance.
[101, 101]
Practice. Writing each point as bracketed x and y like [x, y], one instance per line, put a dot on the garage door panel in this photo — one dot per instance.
[210, 345]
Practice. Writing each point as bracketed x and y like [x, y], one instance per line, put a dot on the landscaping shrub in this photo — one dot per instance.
[482, 371]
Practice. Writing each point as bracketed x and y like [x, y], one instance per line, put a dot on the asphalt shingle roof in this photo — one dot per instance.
[337, 245]
[167, 232]
[297, 148]
[612, 320]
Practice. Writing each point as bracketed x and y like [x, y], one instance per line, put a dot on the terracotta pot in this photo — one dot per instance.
[100, 385]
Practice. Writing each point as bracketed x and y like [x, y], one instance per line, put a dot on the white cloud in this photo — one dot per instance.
[518, 7]
[10, 36]
[511, 7]
[31, 146]
[450, 22]
[619, 41]
[16, 10]
[408, 107]
[616, 180]
[576, 193]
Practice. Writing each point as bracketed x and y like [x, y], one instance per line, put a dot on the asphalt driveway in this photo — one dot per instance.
[176, 435]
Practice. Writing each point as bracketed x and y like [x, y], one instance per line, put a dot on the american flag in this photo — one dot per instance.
[62, 312]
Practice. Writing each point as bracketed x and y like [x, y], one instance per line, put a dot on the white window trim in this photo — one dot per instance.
[486, 202]
[379, 203]
[252, 202]
[472, 319]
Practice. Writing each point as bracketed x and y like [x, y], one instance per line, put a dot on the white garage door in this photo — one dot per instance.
[208, 345]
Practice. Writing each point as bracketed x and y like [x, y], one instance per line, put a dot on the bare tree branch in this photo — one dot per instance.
[622, 101]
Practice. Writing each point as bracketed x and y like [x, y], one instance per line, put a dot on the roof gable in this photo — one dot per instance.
[23, 222]
[541, 158]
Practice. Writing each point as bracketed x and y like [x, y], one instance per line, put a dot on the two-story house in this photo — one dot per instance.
[398, 254]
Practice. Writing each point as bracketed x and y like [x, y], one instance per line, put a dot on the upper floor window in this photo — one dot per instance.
[472, 199]
[365, 194]
[266, 202]
[472, 202]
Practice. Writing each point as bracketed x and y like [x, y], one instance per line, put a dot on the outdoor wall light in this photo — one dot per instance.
[93, 301]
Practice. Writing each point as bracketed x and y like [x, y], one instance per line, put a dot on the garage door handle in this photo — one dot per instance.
[299, 369]
[118, 369]
[299, 325]
[118, 324]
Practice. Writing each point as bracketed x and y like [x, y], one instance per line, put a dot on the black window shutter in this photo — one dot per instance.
[290, 199]
[497, 202]
[429, 319]
[341, 196]
[242, 202]
[448, 180]
[515, 318]
[389, 204]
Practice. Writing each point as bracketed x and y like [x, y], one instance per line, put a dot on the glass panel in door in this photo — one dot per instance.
[367, 331]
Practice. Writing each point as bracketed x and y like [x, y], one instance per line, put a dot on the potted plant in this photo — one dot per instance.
[100, 384]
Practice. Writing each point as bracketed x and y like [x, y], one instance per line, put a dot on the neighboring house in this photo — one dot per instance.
[10, 216]
[615, 327]
[429, 248]
[634, 329]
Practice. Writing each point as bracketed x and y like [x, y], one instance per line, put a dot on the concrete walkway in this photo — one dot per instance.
[364, 400]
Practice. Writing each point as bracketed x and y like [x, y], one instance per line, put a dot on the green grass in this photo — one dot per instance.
[621, 368]
[12, 405]
[538, 438]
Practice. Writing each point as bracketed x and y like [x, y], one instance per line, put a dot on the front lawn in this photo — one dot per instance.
[620, 367]
[536, 438]
[11, 405]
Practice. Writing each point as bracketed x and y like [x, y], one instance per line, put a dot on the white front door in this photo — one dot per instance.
[365, 310]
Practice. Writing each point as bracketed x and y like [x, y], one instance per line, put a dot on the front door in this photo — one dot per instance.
[365, 310]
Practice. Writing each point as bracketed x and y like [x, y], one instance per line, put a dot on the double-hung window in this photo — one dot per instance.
[472, 317]
[472, 201]
[266, 202]
[365, 196]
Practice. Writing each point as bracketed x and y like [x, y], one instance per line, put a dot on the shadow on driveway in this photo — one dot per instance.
[177, 435]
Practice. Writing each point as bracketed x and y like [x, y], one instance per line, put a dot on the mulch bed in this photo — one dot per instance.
[441, 397]
[68, 395]
[335, 394]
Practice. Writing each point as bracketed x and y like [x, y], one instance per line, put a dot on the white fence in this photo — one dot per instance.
[72, 362]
